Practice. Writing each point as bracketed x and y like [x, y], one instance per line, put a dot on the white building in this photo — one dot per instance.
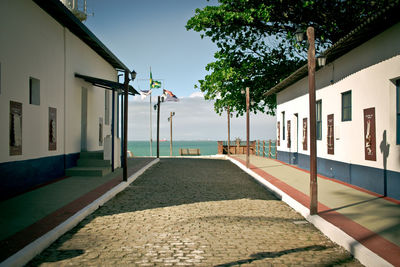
[49, 114]
[358, 109]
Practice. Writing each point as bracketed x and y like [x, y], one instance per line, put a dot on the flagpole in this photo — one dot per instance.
[151, 134]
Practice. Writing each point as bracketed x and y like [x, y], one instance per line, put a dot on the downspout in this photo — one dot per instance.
[112, 129]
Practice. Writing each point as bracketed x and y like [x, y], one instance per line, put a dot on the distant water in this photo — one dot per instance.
[142, 148]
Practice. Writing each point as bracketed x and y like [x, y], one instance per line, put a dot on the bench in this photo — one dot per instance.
[189, 151]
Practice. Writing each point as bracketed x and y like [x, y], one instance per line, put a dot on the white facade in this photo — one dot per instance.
[370, 71]
[33, 44]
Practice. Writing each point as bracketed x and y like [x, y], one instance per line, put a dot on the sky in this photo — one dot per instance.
[152, 33]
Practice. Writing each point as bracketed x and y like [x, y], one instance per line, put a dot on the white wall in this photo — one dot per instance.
[33, 44]
[373, 86]
[83, 60]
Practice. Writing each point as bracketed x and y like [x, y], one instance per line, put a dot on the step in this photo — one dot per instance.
[89, 162]
[87, 171]
[92, 154]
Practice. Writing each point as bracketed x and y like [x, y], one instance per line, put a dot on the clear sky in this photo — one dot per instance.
[152, 33]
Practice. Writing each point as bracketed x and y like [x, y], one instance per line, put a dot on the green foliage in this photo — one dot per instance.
[257, 47]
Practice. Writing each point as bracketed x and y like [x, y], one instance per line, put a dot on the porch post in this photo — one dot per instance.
[126, 85]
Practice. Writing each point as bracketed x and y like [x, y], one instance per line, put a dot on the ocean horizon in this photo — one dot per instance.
[142, 148]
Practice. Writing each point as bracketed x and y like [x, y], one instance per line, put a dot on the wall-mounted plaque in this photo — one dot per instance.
[305, 134]
[331, 135]
[279, 133]
[289, 143]
[52, 128]
[100, 131]
[369, 134]
[15, 128]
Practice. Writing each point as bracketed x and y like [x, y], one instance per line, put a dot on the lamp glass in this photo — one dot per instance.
[242, 91]
[299, 35]
[321, 61]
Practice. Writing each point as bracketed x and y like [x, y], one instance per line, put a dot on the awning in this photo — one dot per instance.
[106, 84]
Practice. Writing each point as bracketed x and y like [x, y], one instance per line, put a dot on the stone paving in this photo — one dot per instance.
[194, 212]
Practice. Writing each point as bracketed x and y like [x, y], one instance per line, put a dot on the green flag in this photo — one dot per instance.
[153, 83]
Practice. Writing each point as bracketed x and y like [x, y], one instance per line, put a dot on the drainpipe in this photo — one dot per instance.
[112, 129]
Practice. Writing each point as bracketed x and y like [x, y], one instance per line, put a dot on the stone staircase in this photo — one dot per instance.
[90, 163]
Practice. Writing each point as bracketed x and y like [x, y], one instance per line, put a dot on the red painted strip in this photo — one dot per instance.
[373, 241]
[395, 201]
[19, 240]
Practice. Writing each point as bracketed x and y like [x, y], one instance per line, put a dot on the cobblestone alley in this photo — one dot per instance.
[200, 212]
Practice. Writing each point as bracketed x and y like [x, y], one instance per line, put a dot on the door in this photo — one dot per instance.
[84, 120]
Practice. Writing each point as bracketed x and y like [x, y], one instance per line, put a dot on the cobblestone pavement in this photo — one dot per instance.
[201, 212]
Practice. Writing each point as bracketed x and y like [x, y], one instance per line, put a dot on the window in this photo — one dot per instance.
[398, 112]
[107, 108]
[34, 91]
[283, 125]
[319, 119]
[346, 106]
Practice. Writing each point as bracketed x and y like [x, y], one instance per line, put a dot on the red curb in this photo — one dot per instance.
[371, 240]
[19, 240]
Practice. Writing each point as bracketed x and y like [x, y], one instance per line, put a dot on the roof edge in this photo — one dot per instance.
[62, 15]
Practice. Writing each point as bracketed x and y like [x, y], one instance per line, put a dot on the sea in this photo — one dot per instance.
[142, 148]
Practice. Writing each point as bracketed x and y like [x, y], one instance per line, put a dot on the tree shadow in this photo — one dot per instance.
[264, 255]
[384, 147]
[58, 255]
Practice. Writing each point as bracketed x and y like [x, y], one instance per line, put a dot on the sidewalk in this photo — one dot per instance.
[29, 216]
[372, 221]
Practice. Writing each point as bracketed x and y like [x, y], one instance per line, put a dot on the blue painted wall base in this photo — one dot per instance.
[19, 176]
[381, 181]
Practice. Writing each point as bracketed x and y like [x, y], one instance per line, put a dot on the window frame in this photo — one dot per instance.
[344, 94]
[318, 125]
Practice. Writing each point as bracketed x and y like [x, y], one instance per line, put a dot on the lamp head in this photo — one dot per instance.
[242, 91]
[321, 59]
[133, 75]
[299, 35]
[155, 107]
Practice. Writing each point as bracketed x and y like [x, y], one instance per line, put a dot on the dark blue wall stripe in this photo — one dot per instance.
[20, 176]
[373, 179]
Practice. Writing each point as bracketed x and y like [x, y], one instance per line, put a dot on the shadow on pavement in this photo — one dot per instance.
[264, 255]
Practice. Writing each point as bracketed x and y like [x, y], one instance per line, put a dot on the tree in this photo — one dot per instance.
[256, 43]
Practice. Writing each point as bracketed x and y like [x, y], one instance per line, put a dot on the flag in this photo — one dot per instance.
[153, 83]
[169, 96]
[144, 93]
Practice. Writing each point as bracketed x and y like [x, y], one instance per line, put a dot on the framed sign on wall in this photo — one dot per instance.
[305, 133]
[15, 128]
[369, 134]
[331, 136]
[52, 128]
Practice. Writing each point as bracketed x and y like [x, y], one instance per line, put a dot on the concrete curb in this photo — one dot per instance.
[23, 256]
[359, 251]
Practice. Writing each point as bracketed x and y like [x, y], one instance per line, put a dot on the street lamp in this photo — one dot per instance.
[312, 114]
[126, 87]
[170, 132]
[157, 107]
[247, 125]
[229, 115]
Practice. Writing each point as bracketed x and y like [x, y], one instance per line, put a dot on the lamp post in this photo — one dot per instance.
[229, 130]
[126, 87]
[171, 114]
[312, 115]
[247, 125]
